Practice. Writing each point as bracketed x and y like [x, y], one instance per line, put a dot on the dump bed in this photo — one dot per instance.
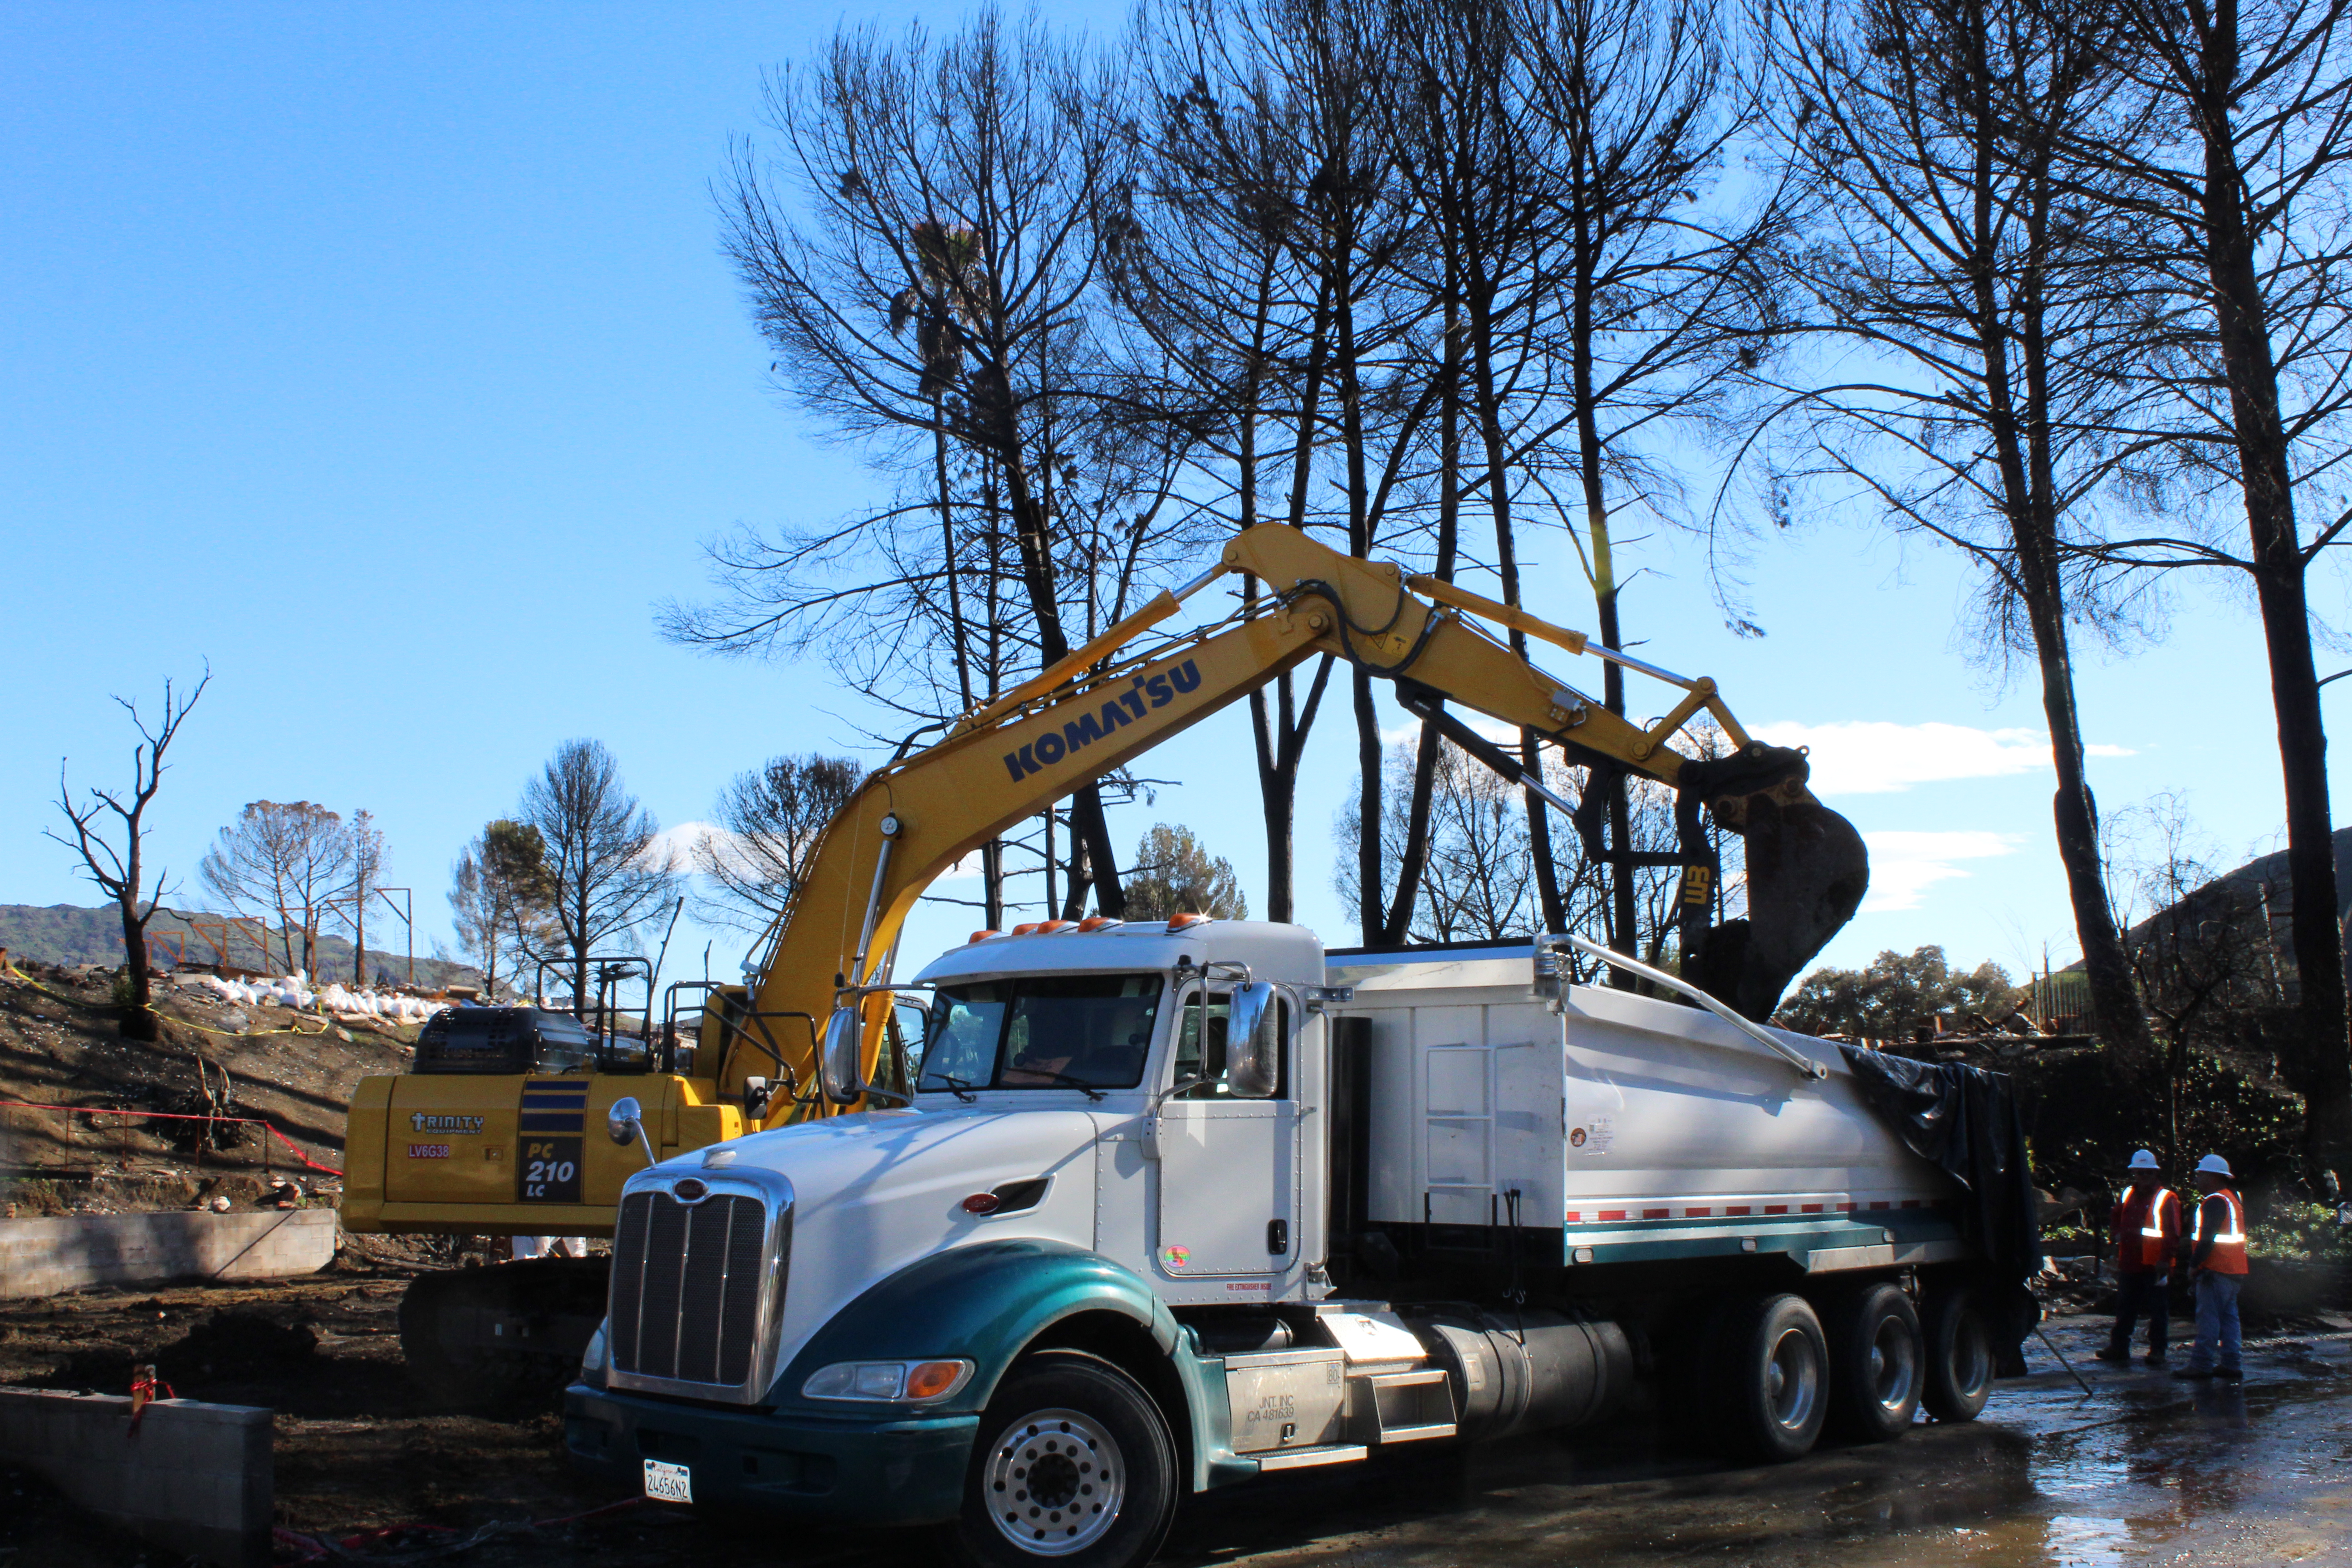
[1631, 1128]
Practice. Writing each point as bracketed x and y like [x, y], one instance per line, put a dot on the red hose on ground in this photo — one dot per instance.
[177, 1116]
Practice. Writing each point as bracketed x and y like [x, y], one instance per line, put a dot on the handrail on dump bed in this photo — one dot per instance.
[1795, 1058]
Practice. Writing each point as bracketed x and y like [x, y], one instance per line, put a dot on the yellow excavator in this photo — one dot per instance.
[452, 1149]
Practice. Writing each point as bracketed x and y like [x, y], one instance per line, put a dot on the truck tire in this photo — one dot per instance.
[1959, 1355]
[1775, 1364]
[1075, 1465]
[1875, 1357]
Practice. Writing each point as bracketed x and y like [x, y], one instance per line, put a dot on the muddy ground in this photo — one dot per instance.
[2143, 1469]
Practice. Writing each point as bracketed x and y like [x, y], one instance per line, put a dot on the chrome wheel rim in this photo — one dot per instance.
[1894, 1365]
[1056, 1480]
[1792, 1381]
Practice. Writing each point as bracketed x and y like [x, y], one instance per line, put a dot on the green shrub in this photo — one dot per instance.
[2300, 1233]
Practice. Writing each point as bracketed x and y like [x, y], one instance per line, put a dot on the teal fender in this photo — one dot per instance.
[988, 1303]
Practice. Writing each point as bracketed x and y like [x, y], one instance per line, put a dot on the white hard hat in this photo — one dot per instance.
[2145, 1159]
[2214, 1165]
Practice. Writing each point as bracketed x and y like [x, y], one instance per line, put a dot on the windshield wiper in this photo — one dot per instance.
[1062, 1079]
[956, 1086]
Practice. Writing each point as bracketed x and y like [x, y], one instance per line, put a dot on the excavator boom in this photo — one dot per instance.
[1096, 710]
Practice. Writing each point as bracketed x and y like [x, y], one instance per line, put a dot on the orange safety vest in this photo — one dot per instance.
[2148, 1229]
[2229, 1253]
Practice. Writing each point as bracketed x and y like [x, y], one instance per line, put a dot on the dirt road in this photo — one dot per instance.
[2143, 1470]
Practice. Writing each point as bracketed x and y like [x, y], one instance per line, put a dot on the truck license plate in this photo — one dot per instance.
[669, 1483]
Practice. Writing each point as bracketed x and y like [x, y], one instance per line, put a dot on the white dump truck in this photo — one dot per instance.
[1176, 1205]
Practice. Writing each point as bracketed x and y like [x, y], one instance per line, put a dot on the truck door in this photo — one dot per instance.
[1228, 1167]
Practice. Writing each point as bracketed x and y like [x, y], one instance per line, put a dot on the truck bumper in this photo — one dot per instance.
[844, 1471]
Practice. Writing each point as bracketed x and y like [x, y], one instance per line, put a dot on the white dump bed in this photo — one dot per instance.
[1638, 1127]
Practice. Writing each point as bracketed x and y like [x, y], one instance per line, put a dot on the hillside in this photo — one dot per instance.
[60, 1046]
[67, 934]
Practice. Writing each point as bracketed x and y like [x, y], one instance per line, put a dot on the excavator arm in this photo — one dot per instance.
[1103, 705]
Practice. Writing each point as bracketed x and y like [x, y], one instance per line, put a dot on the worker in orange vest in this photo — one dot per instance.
[2146, 1230]
[2216, 1264]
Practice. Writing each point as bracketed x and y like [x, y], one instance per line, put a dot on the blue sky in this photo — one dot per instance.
[384, 357]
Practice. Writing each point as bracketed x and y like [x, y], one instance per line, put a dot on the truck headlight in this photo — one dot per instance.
[910, 1382]
[595, 1359]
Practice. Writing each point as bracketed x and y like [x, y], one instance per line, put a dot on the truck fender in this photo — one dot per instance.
[988, 1303]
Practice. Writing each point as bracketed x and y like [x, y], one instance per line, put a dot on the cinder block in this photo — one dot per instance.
[193, 1478]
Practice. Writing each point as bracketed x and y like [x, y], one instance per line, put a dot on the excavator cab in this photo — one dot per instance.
[473, 1040]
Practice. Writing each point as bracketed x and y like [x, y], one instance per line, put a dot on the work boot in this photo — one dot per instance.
[2112, 1354]
[2154, 1358]
[2229, 1375]
[2194, 1374]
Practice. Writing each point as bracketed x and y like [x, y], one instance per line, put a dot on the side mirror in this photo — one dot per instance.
[836, 1057]
[626, 1123]
[1254, 1042]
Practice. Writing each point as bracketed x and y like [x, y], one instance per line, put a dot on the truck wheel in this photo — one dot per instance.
[1776, 1365]
[1959, 1356]
[1079, 1468]
[1874, 1356]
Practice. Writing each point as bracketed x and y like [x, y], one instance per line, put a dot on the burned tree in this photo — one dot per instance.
[602, 867]
[768, 824]
[293, 859]
[1260, 254]
[1984, 328]
[2224, 157]
[120, 869]
[923, 257]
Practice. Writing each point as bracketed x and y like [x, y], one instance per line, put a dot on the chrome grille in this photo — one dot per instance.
[693, 1290]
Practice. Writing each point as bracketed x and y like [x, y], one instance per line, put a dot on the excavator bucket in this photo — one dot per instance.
[1807, 871]
[1807, 867]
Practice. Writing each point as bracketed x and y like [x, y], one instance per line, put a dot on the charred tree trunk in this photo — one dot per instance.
[139, 1021]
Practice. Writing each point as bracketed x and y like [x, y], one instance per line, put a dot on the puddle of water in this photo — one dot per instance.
[2144, 1471]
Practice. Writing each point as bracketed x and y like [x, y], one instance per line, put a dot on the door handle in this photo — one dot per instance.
[1278, 1236]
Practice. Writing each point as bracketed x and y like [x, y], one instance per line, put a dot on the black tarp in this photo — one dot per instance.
[1967, 1121]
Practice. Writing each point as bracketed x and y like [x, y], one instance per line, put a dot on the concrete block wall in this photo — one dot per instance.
[194, 1478]
[75, 1252]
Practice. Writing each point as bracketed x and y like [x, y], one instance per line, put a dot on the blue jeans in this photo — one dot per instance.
[2217, 1320]
[2139, 1290]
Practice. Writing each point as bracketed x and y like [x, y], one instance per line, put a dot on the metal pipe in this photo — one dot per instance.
[874, 896]
[1795, 1058]
[1630, 662]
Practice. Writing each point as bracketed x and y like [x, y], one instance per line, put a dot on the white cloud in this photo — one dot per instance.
[1903, 865]
[673, 847]
[1870, 757]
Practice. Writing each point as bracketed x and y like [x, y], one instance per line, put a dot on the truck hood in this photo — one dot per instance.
[875, 1192]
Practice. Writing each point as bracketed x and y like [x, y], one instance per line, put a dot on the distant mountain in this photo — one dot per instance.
[66, 933]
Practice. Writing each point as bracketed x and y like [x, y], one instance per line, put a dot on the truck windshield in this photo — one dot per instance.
[1043, 1031]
